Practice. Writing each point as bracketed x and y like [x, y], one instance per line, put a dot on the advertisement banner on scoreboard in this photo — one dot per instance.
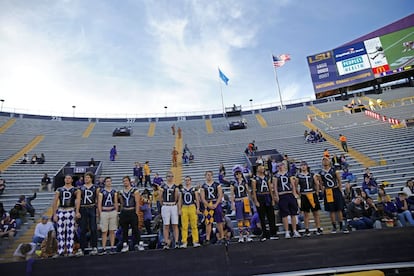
[352, 58]
[323, 71]
[376, 56]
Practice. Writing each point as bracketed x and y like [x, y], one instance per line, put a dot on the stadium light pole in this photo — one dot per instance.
[2, 102]
[251, 103]
[165, 107]
[74, 107]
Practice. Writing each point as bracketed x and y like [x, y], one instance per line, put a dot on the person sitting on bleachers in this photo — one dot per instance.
[255, 225]
[27, 203]
[191, 157]
[326, 153]
[25, 159]
[310, 139]
[347, 175]
[343, 162]
[41, 230]
[408, 189]
[49, 246]
[45, 183]
[34, 159]
[41, 159]
[18, 213]
[369, 186]
[2, 185]
[8, 227]
[357, 216]
[349, 193]
[404, 215]
[391, 210]
[92, 163]
[336, 161]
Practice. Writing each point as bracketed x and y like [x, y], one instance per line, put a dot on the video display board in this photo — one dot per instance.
[362, 61]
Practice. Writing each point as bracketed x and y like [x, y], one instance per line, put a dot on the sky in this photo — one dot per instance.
[133, 58]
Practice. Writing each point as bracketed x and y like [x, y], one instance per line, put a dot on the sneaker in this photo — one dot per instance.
[287, 235]
[274, 238]
[262, 239]
[196, 244]
[319, 232]
[125, 247]
[101, 252]
[176, 246]
[207, 242]
[184, 245]
[307, 233]
[333, 231]
[112, 251]
[94, 251]
[241, 239]
[296, 234]
[79, 253]
[73, 255]
[345, 230]
[141, 246]
[248, 239]
[55, 256]
[166, 247]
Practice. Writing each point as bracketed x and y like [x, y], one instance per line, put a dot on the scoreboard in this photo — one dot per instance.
[362, 61]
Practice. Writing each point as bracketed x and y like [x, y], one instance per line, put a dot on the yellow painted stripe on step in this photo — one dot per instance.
[359, 156]
[31, 145]
[7, 124]
[317, 111]
[178, 171]
[88, 130]
[209, 126]
[151, 130]
[261, 120]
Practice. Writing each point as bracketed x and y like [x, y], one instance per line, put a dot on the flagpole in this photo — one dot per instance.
[278, 86]
[222, 100]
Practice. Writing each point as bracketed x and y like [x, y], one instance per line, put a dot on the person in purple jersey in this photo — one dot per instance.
[86, 199]
[330, 180]
[113, 153]
[263, 198]
[108, 213]
[63, 210]
[240, 203]
[211, 197]
[169, 211]
[308, 197]
[285, 194]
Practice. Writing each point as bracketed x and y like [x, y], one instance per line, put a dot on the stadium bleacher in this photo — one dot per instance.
[63, 142]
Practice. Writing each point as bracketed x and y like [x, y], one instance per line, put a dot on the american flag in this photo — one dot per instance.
[279, 61]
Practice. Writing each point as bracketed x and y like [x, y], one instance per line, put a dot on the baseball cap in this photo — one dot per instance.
[45, 217]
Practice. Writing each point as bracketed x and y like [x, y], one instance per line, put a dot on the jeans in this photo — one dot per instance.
[405, 217]
[361, 223]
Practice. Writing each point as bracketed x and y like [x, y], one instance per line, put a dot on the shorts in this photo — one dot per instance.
[305, 204]
[288, 205]
[109, 221]
[241, 213]
[169, 214]
[338, 202]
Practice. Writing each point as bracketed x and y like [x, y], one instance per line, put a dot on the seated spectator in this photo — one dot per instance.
[319, 137]
[310, 139]
[347, 175]
[2, 185]
[45, 183]
[34, 159]
[27, 203]
[8, 227]
[18, 213]
[157, 180]
[41, 159]
[357, 216]
[100, 183]
[368, 173]
[306, 133]
[369, 186]
[349, 193]
[382, 195]
[391, 210]
[408, 189]
[25, 159]
[92, 163]
[49, 246]
[343, 162]
[191, 158]
[25, 251]
[404, 215]
[185, 158]
[42, 229]
[223, 180]
[186, 149]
